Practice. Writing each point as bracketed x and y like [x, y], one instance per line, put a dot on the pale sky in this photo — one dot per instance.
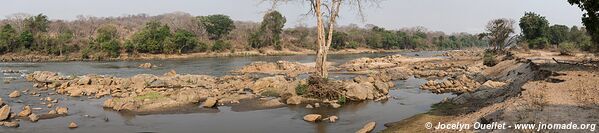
[437, 15]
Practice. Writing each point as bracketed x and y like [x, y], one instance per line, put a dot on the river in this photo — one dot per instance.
[407, 100]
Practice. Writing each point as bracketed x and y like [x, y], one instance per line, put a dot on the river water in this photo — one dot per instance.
[407, 100]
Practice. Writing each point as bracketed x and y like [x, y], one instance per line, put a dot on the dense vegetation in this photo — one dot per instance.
[590, 19]
[538, 34]
[176, 33]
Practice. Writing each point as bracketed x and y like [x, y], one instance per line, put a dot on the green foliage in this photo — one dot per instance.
[149, 96]
[8, 39]
[107, 39]
[217, 26]
[567, 48]
[590, 18]
[558, 34]
[151, 38]
[301, 89]
[534, 26]
[270, 93]
[340, 40]
[538, 43]
[25, 39]
[36, 24]
[182, 42]
[220, 45]
[270, 31]
[458, 41]
[489, 58]
[342, 99]
[580, 38]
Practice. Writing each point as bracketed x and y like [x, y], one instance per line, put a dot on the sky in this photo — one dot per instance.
[450, 16]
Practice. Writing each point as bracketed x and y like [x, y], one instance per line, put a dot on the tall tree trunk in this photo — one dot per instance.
[321, 52]
[325, 43]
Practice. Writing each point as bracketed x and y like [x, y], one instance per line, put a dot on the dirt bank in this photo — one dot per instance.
[536, 90]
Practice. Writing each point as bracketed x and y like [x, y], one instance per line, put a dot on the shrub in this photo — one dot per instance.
[111, 47]
[539, 43]
[220, 45]
[342, 99]
[270, 93]
[489, 58]
[567, 48]
[301, 89]
[201, 46]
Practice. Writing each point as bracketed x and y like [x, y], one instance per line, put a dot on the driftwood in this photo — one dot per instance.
[588, 63]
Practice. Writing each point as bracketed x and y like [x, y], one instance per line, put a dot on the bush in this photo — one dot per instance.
[567, 48]
[220, 45]
[270, 93]
[201, 46]
[342, 99]
[301, 89]
[489, 58]
[111, 47]
[539, 43]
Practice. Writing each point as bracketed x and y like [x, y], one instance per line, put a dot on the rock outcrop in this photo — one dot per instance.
[460, 84]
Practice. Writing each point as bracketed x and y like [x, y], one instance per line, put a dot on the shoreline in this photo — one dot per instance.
[32, 57]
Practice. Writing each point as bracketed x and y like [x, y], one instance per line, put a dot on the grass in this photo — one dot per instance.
[270, 93]
[301, 89]
[150, 95]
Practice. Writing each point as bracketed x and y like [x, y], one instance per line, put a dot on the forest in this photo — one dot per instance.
[176, 33]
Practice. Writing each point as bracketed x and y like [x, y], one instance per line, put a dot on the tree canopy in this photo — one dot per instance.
[534, 26]
[270, 31]
[217, 26]
[590, 18]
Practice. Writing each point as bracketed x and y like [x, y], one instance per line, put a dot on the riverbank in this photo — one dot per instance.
[532, 89]
[34, 57]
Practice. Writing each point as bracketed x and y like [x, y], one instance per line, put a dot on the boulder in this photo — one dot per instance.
[363, 79]
[14, 94]
[84, 80]
[108, 103]
[277, 84]
[171, 73]
[294, 100]
[26, 111]
[210, 102]
[73, 125]
[359, 92]
[332, 119]
[146, 65]
[335, 105]
[76, 92]
[33, 117]
[312, 117]
[367, 128]
[62, 110]
[490, 84]
[11, 124]
[52, 112]
[382, 86]
[309, 106]
[272, 103]
[4, 112]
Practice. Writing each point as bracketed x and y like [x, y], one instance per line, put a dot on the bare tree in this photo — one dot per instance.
[329, 10]
[499, 32]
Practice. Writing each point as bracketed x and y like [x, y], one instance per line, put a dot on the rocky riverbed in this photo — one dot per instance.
[175, 92]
